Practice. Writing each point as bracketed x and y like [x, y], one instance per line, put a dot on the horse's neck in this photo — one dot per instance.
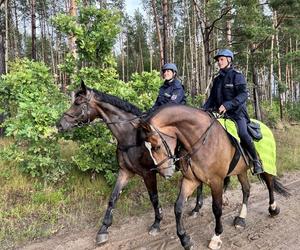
[189, 125]
[116, 119]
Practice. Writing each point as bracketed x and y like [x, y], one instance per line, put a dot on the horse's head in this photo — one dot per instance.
[82, 110]
[161, 146]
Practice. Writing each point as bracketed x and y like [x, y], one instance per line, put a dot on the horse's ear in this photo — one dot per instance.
[145, 126]
[83, 86]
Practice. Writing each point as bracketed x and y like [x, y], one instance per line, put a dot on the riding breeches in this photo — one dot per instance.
[246, 139]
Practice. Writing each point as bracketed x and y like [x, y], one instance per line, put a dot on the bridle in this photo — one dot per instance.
[86, 116]
[187, 156]
[86, 113]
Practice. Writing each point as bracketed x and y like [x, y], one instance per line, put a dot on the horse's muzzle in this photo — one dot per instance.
[62, 125]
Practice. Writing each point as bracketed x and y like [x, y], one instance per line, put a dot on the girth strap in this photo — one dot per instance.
[234, 161]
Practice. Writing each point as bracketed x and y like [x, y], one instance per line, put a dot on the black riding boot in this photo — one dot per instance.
[257, 167]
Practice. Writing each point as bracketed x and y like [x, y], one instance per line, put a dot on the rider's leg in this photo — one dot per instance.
[247, 142]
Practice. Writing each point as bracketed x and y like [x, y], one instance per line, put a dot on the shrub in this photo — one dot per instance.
[34, 104]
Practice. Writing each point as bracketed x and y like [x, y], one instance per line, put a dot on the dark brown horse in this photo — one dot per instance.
[208, 155]
[133, 158]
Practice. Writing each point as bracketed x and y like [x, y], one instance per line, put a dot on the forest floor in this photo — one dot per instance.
[261, 232]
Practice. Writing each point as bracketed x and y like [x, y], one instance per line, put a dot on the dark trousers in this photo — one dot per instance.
[246, 139]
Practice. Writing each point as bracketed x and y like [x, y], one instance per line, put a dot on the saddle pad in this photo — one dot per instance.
[266, 147]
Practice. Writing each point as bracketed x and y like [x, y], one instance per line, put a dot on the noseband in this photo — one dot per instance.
[85, 113]
[169, 155]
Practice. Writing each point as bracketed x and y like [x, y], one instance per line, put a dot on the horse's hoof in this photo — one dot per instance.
[101, 238]
[189, 246]
[274, 212]
[215, 243]
[239, 222]
[154, 231]
[194, 214]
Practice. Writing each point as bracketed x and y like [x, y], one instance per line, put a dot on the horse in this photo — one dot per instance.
[133, 157]
[207, 157]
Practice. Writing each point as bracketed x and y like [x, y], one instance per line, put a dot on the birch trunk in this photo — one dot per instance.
[161, 52]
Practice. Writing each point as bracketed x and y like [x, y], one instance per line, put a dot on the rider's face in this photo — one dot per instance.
[223, 62]
[168, 74]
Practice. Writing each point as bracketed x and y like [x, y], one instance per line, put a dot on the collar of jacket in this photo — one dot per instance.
[169, 82]
[223, 72]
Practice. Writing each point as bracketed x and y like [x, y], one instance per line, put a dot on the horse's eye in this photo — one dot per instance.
[156, 148]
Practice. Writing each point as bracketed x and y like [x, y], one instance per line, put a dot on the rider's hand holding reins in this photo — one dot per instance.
[222, 110]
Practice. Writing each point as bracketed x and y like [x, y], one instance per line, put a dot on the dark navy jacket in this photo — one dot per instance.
[170, 92]
[230, 89]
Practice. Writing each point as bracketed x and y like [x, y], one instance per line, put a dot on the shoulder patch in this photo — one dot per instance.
[173, 97]
[237, 71]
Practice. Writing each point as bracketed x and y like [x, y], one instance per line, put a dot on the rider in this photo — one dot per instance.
[229, 95]
[172, 91]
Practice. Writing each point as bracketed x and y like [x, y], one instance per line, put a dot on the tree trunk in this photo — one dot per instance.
[16, 31]
[33, 31]
[161, 51]
[255, 84]
[229, 26]
[279, 69]
[165, 31]
[72, 39]
[6, 46]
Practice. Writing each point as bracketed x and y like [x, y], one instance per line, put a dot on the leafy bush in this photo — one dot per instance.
[293, 111]
[34, 104]
[271, 114]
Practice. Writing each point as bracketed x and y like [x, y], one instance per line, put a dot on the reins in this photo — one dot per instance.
[190, 153]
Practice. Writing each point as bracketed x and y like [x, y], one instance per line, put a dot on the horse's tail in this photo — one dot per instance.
[226, 183]
[280, 189]
[278, 186]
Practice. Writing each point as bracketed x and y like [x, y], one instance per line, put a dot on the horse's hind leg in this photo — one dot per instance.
[122, 180]
[240, 221]
[151, 184]
[199, 201]
[187, 188]
[269, 180]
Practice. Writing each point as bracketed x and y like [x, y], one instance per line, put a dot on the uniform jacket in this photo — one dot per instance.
[230, 89]
[170, 92]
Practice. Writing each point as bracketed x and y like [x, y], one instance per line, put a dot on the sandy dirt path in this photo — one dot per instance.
[261, 232]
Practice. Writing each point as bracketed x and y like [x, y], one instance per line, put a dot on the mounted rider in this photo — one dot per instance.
[172, 91]
[229, 95]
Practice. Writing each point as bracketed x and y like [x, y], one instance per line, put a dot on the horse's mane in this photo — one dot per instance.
[168, 105]
[116, 101]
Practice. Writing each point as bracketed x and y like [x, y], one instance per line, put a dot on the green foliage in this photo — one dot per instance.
[271, 113]
[34, 104]
[95, 31]
[146, 87]
[197, 101]
[293, 111]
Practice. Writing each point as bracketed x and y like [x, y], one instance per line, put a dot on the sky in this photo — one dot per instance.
[132, 5]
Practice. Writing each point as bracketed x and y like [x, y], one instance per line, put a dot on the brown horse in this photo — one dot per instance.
[209, 153]
[133, 158]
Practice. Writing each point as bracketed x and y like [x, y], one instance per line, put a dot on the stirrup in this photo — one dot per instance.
[257, 167]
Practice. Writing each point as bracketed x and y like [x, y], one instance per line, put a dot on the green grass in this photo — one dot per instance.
[30, 210]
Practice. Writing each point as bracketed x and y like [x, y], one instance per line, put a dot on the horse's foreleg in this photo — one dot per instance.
[199, 201]
[151, 184]
[240, 221]
[187, 188]
[217, 193]
[122, 180]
